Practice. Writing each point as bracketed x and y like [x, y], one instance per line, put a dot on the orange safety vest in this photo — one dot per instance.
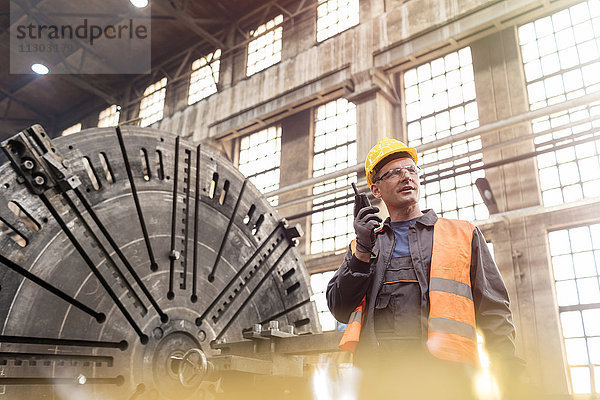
[352, 332]
[451, 321]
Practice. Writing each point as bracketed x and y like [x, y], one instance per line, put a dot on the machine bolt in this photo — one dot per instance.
[157, 333]
[28, 164]
[174, 255]
[274, 325]
[65, 163]
[39, 180]
[257, 328]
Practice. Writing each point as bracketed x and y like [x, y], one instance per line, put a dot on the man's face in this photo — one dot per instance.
[397, 191]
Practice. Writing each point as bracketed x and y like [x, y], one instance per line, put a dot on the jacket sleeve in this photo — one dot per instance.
[348, 286]
[492, 312]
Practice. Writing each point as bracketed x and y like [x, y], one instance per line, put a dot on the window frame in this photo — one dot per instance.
[579, 307]
[75, 128]
[340, 198]
[274, 200]
[319, 4]
[435, 173]
[117, 113]
[558, 184]
[147, 94]
[213, 59]
[253, 38]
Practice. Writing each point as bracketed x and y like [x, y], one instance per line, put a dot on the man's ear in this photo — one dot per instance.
[375, 191]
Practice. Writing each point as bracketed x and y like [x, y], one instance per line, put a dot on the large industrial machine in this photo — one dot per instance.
[136, 265]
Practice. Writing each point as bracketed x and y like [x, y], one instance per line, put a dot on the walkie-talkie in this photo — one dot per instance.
[360, 200]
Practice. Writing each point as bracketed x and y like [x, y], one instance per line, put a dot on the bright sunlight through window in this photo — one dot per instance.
[109, 117]
[335, 16]
[561, 58]
[71, 130]
[153, 103]
[265, 50]
[334, 149]
[205, 76]
[440, 102]
[318, 283]
[260, 156]
[576, 263]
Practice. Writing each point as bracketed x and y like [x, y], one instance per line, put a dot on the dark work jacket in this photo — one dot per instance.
[355, 279]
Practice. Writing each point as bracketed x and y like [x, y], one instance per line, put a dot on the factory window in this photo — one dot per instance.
[153, 103]
[318, 284]
[440, 102]
[260, 155]
[576, 264]
[205, 76]
[71, 130]
[561, 59]
[109, 117]
[334, 149]
[335, 16]
[265, 50]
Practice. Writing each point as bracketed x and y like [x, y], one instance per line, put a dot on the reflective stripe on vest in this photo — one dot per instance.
[452, 312]
[352, 332]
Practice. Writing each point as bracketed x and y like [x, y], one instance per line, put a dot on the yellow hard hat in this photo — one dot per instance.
[381, 150]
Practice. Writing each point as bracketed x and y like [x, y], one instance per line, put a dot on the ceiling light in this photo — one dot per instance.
[40, 69]
[139, 3]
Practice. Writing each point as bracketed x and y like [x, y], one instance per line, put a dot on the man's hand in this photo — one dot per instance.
[365, 221]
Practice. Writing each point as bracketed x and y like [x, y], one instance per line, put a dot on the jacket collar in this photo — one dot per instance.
[429, 218]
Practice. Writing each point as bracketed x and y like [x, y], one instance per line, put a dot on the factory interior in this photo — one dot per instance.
[171, 224]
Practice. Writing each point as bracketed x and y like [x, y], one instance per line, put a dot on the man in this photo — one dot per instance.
[417, 288]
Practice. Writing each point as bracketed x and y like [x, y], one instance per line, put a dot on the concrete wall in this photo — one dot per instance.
[296, 165]
[385, 37]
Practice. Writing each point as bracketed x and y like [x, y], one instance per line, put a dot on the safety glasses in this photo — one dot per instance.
[412, 170]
